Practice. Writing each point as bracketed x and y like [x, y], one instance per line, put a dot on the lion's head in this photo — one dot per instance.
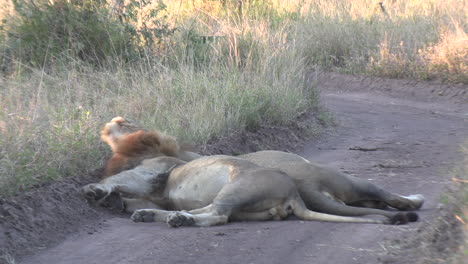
[116, 129]
[131, 144]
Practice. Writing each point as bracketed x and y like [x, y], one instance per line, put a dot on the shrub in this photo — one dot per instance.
[43, 32]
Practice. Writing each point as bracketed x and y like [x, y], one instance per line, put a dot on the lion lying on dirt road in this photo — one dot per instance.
[321, 188]
[217, 189]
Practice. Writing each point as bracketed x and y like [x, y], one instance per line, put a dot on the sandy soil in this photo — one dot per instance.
[404, 141]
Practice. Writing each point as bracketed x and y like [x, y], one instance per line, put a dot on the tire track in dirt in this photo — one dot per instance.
[412, 147]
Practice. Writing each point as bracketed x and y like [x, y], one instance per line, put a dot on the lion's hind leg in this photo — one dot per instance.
[270, 214]
[132, 204]
[211, 217]
[299, 209]
[202, 210]
[177, 219]
[369, 204]
[368, 191]
[207, 216]
[410, 202]
[317, 201]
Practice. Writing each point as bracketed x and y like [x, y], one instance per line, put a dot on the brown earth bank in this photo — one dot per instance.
[389, 132]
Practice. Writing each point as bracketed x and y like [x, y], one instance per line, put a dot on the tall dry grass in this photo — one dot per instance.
[415, 39]
[461, 203]
[50, 121]
[224, 68]
[398, 38]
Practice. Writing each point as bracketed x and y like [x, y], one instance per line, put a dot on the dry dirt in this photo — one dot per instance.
[401, 135]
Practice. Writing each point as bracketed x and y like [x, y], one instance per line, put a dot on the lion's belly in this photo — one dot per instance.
[197, 187]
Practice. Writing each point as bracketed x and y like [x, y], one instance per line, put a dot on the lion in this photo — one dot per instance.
[215, 190]
[131, 144]
[322, 189]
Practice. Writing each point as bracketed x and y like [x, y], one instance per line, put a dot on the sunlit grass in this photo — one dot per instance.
[456, 201]
[225, 68]
[416, 39]
[50, 121]
[461, 197]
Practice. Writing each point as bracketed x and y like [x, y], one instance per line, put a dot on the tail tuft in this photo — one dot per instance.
[412, 217]
[399, 219]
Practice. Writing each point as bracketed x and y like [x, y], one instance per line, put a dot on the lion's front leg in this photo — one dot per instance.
[96, 191]
[104, 196]
[150, 215]
[179, 218]
[212, 218]
[133, 204]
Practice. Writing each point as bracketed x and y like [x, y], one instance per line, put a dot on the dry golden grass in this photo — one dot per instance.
[459, 199]
[449, 57]
[398, 38]
[223, 69]
[50, 121]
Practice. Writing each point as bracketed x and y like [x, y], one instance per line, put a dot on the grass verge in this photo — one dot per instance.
[50, 124]
[461, 201]
[226, 67]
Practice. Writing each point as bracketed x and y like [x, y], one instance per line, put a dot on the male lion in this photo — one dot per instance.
[216, 189]
[322, 189]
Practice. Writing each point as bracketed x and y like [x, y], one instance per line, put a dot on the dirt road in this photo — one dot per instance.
[403, 145]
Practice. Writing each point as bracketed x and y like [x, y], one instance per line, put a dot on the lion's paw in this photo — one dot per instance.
[113, 201]
[417, 201]
[143, 215]
[179, 219]
[94, 192]
[403, 218]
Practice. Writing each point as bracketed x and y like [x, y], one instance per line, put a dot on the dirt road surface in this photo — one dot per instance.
[407, 146]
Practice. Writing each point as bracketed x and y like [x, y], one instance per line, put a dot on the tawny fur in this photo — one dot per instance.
[322, 189]
[215, 189]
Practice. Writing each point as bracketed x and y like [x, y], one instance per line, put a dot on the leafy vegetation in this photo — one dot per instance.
[40, 33]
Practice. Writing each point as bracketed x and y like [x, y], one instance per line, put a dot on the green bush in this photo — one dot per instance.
[42, 32]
